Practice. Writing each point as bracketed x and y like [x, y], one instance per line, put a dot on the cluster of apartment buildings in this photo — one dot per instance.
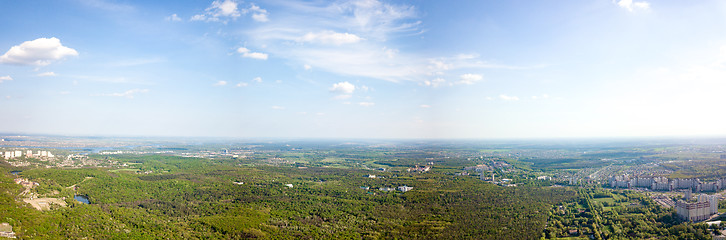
[665, 184]
[28, 154]
[705, 207]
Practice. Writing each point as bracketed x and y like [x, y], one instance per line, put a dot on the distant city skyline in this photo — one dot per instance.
[363, 69]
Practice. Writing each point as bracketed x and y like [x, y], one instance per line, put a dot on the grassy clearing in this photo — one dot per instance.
[124, 169]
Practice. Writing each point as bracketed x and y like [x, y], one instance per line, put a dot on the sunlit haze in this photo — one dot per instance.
[364, 69]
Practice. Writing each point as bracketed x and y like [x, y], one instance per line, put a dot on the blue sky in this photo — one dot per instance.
[364, 69]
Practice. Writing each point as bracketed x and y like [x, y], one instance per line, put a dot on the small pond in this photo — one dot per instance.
[15, 172]
[81, 198]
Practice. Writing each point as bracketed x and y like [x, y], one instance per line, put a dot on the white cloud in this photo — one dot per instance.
[5, 78]
[425, 106]
[508, 98]
[364, 88]
[630, 5]
[257, 79]
[469, 78]
[223, 11]
[219, 12]
[343, 88]
[110, 79]
[390, 53]
[128, 94]
[46, 74]
[307, 67]
[248, 54]
[242, 84]
[379, 19]
[39, 52]
[366, 104]
[220, 83]
[438, 64]
[173, 18]
[330, 37]
[278, 108]
[342, 97]
[110, 6]
[331, 24]
[64, 92]
[198, 17]
[313, 33]
[437, 82]
[258, 14]
[543, 96]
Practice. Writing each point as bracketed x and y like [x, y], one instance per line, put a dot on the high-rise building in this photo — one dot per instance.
[703, 209]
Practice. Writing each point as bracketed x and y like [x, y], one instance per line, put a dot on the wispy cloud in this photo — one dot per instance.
[631, 5]
[366, 104]
[466, 79]
[46, 74]
[278, 108]
[258, 14]
[330, 37]
[469, 78]
[220, 83]
[128, 94]
[436, 82]
[249, 54]
[5, 78]
[508, 98]
[541, 97]
[109, 79]
[38, 52]
[173, 18]
[219, 11]
[224, 11]
[107, 5]
[425, 106]
[352, 38]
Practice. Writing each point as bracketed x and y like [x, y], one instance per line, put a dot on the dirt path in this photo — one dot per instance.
[74, 185]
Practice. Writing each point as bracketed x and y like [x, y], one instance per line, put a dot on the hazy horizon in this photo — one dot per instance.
[364, 69]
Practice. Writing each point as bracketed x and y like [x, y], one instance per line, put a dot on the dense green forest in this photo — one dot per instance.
[324, 192]
[191, 198]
